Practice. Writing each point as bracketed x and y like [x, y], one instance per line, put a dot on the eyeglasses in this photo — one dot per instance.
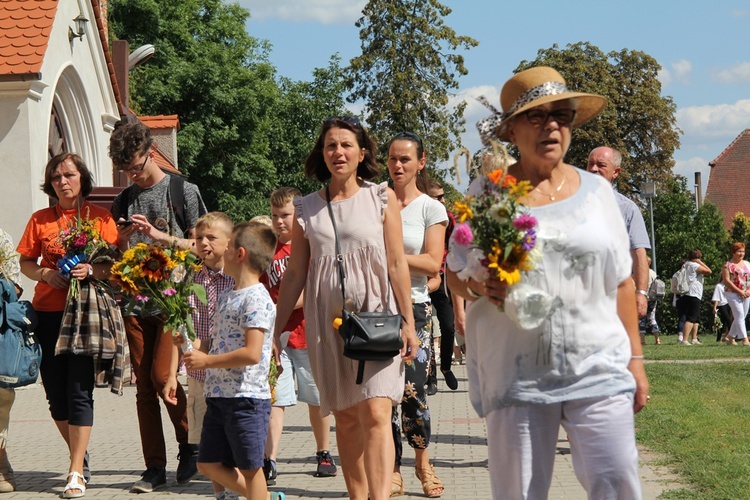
[538, 117]
[135, 170]
[438, 197]
[409, 136]
[351, 120]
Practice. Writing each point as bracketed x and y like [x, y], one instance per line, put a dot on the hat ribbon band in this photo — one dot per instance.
[534, 93]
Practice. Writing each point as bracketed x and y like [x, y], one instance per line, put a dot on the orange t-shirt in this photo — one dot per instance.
[42, 239]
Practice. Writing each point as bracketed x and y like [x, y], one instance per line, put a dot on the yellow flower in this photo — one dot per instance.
[463, 210]
[510, 277]
[521, 189]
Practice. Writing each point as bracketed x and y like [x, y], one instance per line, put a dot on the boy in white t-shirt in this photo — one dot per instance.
[238, 396]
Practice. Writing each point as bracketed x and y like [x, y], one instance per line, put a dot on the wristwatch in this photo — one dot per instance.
[91, 269]
[474, 295]
[642, 292]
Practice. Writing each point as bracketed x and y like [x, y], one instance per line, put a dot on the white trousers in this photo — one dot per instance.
[522, 442]
[740, 307]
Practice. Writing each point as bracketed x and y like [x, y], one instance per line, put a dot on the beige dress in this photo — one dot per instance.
[359, 221]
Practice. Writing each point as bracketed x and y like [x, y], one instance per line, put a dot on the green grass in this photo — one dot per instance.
[698, 419]
[669, 349]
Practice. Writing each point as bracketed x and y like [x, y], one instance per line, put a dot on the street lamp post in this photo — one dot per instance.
[648, 190]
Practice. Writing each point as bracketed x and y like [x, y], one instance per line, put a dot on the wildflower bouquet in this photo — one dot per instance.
[499, 226]
[82, 242]
[160, 280]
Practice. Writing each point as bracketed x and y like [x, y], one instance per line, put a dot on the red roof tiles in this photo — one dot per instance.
[25, 26]
[161, 121]
[729, 181]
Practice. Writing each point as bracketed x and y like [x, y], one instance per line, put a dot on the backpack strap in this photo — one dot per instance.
[177, 199]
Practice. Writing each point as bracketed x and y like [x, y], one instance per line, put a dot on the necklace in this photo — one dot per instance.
[553, 193]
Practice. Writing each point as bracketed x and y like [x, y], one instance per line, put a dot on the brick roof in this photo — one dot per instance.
[729, 182]
[25, 26]
[161, 121]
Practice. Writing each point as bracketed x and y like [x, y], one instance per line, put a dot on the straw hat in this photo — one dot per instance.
[534, 87]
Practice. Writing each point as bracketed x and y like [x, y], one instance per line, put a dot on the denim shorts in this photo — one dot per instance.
[234, 432]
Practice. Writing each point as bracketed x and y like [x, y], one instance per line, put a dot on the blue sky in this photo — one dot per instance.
[701, 45]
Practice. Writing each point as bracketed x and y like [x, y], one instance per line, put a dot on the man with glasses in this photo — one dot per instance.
[606, 162]
[145, 212]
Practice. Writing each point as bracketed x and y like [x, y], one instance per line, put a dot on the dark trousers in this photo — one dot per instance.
[151, 356]
[725, 315]
[68, 379]
[415, 414]
[441, 301]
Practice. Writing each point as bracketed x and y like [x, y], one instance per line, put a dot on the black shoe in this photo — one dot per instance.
[154, 477]
[269, 470]
[187, 468]
[431, 387]
[326, 465]
[86, 469]
[450, 380]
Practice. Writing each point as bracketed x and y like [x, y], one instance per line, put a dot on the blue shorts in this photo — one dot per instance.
[234, 432]
[307, 390]
[284, 390]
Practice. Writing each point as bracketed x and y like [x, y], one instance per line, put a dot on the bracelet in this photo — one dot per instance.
[637, 357]
[642, 292]
[474, 295]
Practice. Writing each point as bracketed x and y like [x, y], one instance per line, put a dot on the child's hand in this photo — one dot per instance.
[196, 360]
[276, 357]
[177, 339]
[169, 391]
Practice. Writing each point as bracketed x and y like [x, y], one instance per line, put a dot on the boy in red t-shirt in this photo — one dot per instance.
[294, 357]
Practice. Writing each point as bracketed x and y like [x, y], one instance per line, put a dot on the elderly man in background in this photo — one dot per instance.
[606, 162]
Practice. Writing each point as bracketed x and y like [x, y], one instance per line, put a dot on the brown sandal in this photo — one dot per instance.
[430, 481]
[397, 485]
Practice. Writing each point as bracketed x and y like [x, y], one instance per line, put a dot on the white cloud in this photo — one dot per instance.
[739, 13]
[738, 73]
[717, 122]
[681, 71]
[320, 11]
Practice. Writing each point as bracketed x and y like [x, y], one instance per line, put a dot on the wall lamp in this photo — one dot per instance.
[80, 30]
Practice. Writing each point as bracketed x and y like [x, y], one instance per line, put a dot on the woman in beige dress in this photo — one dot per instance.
[369, 231]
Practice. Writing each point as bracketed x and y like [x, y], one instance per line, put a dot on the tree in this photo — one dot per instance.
[406, 71]
[679, 228]
[300, 111]
[740, 229]
[218, 80]
[638, 121]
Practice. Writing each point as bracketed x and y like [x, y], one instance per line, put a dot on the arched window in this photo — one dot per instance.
[56, 143]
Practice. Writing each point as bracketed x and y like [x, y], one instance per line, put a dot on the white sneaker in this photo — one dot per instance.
[696, 341]
[679, 339]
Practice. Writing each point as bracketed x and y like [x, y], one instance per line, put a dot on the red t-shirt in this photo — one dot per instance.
[42, 239]
[272, 279]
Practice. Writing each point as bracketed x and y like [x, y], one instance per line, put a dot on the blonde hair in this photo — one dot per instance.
[262, 219]
[258, 240]
[284, 195]
[215, 219]
[492, 161]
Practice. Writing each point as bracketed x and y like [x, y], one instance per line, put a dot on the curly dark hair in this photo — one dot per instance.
[87, 181]
[315, 166]
[128, 141]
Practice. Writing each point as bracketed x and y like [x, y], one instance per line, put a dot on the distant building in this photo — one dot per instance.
[729, 181]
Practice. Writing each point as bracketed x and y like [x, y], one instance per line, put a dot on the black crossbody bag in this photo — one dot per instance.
[368, 336]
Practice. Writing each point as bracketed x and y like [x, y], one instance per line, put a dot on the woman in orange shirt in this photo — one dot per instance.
[68, 379]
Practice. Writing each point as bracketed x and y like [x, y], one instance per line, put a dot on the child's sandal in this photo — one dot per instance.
[76, 483]
[430, 481]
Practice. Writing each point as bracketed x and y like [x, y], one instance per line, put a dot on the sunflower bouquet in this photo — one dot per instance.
[82, 242]
[160, 280]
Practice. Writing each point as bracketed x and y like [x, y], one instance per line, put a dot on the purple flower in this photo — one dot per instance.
[462, 234]
[169, 292]
[141, 298]
[524, 222]
[529, 240]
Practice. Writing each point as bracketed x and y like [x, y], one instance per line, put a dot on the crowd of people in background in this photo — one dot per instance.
[276, 287]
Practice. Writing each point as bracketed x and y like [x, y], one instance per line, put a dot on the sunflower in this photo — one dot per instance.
[154, 265]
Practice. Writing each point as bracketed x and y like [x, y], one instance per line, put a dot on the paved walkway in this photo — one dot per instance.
[39, 456]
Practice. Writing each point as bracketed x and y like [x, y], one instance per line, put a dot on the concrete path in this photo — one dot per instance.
[459, 453]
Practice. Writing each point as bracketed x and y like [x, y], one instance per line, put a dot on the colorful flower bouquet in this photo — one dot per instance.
[499, 237]
[82, 242]
[160, 280]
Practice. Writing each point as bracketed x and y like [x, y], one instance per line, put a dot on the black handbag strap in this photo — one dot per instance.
[339, 256]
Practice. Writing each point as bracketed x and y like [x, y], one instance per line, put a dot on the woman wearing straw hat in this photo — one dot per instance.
[582, 367]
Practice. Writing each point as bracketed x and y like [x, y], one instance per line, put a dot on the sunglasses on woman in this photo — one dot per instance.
[351, 120]
[538, 117]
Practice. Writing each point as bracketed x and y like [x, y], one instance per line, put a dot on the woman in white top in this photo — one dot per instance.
[424, 221]
[690, 303]
[582, 367]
